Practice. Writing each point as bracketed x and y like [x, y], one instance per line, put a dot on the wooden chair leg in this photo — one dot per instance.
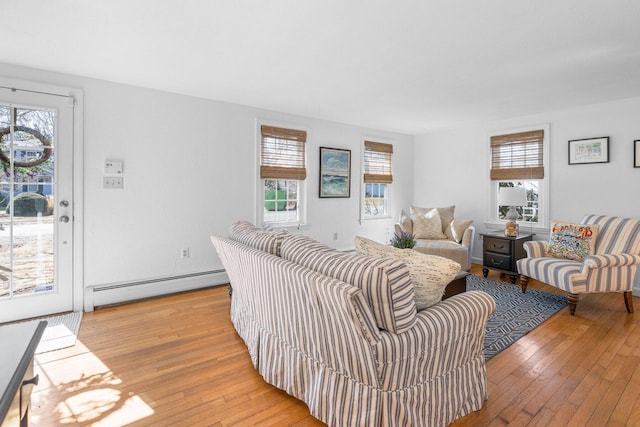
[628, 301]
[573, 303]
[524, 282]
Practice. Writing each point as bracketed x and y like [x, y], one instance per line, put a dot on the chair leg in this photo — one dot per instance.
[573, 303]
[524, 282]
[628, 301]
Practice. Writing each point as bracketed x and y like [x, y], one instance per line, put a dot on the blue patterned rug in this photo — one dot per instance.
[516, 313]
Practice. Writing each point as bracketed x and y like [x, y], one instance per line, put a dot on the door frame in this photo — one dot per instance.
[77, 95]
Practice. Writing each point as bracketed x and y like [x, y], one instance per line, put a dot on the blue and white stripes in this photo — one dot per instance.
[317, 338]
[611, 269]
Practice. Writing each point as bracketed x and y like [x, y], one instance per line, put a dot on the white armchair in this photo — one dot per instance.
[612, 267]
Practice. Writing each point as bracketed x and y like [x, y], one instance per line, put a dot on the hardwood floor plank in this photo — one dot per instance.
[177, 360]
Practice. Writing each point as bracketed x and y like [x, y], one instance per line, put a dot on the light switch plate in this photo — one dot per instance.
[116, 182]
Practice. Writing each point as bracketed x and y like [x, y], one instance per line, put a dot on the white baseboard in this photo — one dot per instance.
[114, 293]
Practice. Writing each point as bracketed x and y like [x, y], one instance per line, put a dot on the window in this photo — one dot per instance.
[517, 160]
[377, 176]
[282, 171]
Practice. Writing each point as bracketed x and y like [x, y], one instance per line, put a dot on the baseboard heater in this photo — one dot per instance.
[114, 293]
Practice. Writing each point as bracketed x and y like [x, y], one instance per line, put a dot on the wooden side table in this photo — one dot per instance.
[500, 253]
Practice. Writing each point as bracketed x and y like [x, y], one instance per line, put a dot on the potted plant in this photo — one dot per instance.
[403, 240]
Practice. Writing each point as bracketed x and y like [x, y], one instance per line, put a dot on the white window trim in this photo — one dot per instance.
[363, 217]
[259, 182]
[493, 223]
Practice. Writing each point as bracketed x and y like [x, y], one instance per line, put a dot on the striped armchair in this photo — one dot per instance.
[612, 268]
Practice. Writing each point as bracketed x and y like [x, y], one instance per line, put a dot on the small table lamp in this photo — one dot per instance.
[512, 197]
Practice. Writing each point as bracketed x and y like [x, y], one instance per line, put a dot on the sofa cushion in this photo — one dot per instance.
[430, 274]
[428, 225]
[256, 237]
[446, 215]
[572, 241]
[444, 248]
[385, 282]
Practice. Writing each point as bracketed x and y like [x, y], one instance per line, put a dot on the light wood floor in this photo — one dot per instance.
[177, 361]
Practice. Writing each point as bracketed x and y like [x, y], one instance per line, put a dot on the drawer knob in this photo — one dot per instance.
[33, 381]
[497, 261]
[498, 246]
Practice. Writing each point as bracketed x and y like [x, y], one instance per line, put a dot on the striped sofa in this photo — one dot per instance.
[341, 333]
[612, 267]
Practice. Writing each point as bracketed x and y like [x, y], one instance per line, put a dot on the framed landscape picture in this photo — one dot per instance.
[591, 150]
[335, 172]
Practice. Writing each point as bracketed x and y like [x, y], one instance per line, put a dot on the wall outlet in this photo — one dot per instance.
[184, 253]
[335, 235]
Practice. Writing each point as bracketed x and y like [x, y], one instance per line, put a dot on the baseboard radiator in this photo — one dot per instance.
[115, 293]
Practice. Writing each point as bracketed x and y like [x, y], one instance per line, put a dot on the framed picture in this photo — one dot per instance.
[591, 150]
[636, 153]
[335, 172]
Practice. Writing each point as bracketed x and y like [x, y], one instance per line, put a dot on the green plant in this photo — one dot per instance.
[29, 204]
[403, 240]
[275, 200]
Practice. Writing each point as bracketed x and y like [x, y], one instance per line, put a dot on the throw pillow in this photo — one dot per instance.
[430, 274]
[572, 241]
[458, 227]
[428, 225]
[446, 215]
[406, 224]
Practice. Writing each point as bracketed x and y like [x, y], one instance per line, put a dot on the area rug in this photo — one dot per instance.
[516, 313]
[61, 332]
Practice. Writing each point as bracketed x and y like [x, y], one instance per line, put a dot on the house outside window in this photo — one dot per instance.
[377, 177]
[282, 174]
[518, 159]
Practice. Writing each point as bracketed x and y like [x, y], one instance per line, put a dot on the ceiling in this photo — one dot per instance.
[407, 66]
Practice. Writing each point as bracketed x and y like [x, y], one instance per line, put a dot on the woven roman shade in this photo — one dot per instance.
[282, 153]
[517, 156]
[377, 162]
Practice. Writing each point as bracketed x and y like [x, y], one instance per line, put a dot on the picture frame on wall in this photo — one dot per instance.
[590, 150]
[636, 153]
[335, 172]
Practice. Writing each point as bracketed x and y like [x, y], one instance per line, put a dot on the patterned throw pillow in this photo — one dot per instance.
[572, 241]
[446, 215]
[428, 225]
[430, 274]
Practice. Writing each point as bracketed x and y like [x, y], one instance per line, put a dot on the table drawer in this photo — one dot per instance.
[502, 262]
[500, 246]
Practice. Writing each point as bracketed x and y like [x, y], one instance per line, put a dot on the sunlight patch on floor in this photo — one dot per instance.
[77, 387]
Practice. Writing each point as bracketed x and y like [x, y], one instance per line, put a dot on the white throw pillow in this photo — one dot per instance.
[428, 225]
[430, 274]
[458, 227]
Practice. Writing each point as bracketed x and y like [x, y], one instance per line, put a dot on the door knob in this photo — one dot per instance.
[64, 218]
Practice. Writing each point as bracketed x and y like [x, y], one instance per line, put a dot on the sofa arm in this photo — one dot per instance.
[397, 228]
[536, 248]
[468, 237]
[609, 260]
[445, 337]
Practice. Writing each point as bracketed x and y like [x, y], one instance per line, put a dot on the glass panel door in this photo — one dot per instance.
[35, 224]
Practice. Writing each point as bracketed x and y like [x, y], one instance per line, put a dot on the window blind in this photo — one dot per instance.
[517, 156]
[377, 162]
[282, 153]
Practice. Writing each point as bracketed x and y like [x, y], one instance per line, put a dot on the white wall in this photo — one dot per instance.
[452, 167]
[189, 171]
